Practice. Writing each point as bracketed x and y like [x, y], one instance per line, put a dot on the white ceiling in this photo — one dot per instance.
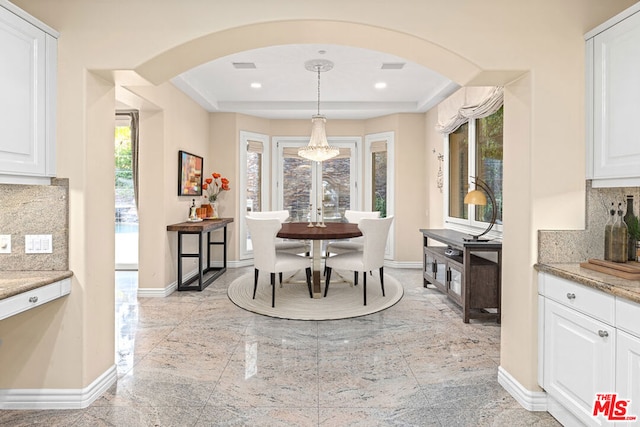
[290, 91]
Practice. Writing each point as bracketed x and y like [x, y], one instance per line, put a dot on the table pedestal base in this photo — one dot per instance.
[316, 268]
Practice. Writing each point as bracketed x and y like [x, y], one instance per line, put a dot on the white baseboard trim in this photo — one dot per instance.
[55, 398]
[165, 292]
[403, 264]
[530, 400]
[240, 263]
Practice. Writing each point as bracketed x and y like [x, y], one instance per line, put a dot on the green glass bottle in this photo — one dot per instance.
[629, 219]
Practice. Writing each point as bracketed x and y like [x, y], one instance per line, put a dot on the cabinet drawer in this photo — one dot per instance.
[28, 300]
[627, 315]
[579, 297]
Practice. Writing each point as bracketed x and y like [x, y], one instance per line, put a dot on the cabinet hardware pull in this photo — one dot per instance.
[571, 295]
[33, 299]
[603, 334]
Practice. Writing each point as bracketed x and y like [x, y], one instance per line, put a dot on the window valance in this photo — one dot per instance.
[468, 103]
[255, 146]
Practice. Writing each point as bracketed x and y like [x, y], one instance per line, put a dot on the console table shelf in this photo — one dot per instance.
[473, 282]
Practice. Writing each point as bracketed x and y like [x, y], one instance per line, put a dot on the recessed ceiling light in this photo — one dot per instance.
[380, 85]
[256, 85]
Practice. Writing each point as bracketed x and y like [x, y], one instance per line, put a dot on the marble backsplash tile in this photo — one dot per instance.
[566, 246]
[35, 209]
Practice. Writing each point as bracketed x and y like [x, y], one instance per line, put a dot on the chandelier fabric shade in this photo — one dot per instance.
[318, 148]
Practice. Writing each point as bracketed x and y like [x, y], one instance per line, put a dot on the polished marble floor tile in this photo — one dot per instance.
[195, 359]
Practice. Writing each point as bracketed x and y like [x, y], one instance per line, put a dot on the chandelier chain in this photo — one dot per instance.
[318, 89]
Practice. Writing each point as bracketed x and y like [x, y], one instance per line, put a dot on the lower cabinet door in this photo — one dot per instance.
[455, 282]
[429, 262]
[579, 357]
[441, 271]
[628, 373]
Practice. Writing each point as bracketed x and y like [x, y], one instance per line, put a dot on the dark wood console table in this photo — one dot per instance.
[471, 281]
[199, 228]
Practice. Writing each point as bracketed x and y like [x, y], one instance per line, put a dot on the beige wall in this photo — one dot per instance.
[490, 43]
[169, 122]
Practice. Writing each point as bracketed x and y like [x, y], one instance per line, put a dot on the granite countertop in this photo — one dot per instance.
[628, 289]
[17, 282]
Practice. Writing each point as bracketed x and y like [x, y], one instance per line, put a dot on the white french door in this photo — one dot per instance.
[304, 186]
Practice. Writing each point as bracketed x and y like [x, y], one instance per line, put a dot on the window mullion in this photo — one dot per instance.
[471, 214]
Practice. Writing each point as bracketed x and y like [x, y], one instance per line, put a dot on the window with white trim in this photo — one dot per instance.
[379, 179]
[474, 149]
[254, 182]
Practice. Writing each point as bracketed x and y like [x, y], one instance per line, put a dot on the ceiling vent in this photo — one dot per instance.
[392, 65]
[244, 65]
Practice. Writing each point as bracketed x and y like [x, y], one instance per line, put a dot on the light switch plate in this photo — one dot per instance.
[38, 244]
[5, 243]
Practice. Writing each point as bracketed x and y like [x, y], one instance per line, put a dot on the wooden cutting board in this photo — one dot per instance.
[629, 270]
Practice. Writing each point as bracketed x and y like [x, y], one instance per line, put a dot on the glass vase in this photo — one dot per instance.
[214, 210]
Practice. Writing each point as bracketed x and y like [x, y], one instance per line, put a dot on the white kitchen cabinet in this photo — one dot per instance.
[589, 344]
[578, 359]
[613, 95]
[27, 84]
[628, 354]
[628, 371]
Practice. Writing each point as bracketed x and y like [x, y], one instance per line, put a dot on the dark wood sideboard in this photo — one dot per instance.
[472, 281]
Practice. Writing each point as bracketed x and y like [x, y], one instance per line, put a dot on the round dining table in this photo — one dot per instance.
[330, 231]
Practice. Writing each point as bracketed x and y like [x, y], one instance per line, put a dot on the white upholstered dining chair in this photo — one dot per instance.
[288, 246]
[371, 257]
[353, 244]
[267, 259]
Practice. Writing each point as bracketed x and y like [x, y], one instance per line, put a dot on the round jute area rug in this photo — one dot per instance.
[293, 302]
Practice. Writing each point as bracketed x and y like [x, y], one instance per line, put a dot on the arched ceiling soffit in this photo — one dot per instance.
[184, 57]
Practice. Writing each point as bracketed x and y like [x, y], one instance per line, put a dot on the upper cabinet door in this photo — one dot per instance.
[27, 79]
[616, 103]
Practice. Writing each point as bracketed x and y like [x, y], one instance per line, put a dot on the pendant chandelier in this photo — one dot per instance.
[318, 148]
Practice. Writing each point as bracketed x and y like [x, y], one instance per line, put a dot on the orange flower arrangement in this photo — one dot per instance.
[213, 186]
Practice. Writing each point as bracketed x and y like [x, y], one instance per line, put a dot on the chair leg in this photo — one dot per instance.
[280, 276]
[326, 283]
[382, 279]
[355, 278]
[273, 289]
[364, 286]
[326, 257]
[308, 269]
[255, 282]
